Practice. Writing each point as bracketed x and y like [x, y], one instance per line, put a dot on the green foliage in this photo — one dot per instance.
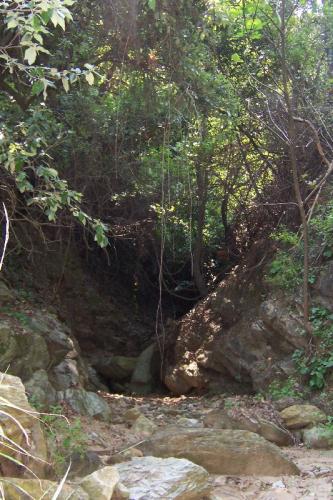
[167, 93]
[25, 143]
[22, 317]
[315, 366]
[64, 438]
[285, 271]
[284, 389]
[31, 21]
[322, 231]
[329, 424]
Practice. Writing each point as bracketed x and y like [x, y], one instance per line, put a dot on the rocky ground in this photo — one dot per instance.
[123, 437]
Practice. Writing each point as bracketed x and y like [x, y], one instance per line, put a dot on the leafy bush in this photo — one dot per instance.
[322, 230]
[285, 271]
[64, 438]
[314, 366]
[283, 389]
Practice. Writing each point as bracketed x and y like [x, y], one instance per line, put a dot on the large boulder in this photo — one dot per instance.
[239, 338]
[56, 334]
[21, 349]
[151, 478]
[301, 416]
[114, 368]
[143, 380]
[38, 348]
[20, 425]
[319, 437]
[233, 452]
[85, 402]
[222, 419]
[34, 341]
[66, 375]
[101, 484]
[40, 390]
[143, 425]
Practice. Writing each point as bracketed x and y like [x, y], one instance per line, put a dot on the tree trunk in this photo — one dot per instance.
[292, 137]
[202, 191]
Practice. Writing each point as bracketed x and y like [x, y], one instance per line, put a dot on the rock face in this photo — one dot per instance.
[144, 377]
[115, 368]
[151, 478]
[40, 389]
[101, 484]
[241, 337]
[221, 419]
[15, 415]
[301, 416]
[221, 451]
[86, 403]
[40, 349]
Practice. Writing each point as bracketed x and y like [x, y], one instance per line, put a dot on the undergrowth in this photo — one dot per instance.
[286, 269]
[284, 389]
[316, 364]
[286, 272]
[65, 438]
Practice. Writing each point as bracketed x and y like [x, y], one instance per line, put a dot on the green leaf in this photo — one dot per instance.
[37, 88]
[30, 55]
[39, 38]
[65, 84]
[57, 17]
[90, 78]
[152, 4]
[12, 23]
[236, 58]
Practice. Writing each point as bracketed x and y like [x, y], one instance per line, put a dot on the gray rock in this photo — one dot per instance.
[319, 437]
[40, 488]
[132, 414]
[85, 403]
[56, 335]
[301, 416]
[115, 368]
[85, 463]
[66, 375]
[221, 451]
[18, 410]
[101, 483]
[189, 422]
[152, 478]
[142, 380]
[94, 382]
[22, 350]
[235, 340]
[144, 426]
[40, 389]
[222, 419]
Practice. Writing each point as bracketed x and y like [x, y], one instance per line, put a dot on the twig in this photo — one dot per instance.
[5, 235]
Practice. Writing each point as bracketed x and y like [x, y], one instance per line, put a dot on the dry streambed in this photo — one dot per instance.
[179, 448]
[193, 428]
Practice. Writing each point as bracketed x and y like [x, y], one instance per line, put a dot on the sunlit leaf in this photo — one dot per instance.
[30, 55]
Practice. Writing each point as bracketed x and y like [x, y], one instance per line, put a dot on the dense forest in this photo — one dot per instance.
[167, 228]
[174, 134]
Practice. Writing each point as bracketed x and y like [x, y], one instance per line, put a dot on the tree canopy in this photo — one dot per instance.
[181, 130]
